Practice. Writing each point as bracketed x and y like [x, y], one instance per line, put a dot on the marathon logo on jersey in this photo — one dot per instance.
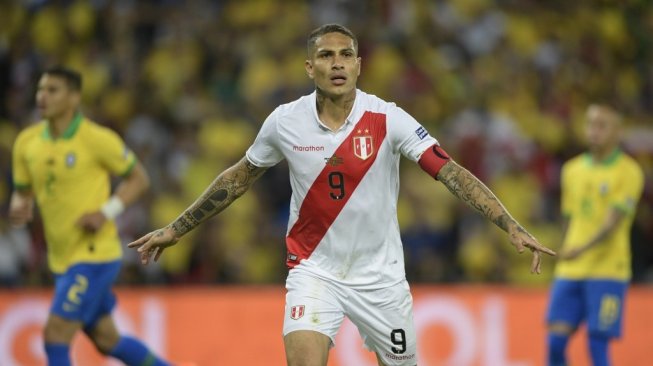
[421, 132]
[307, 148]
[296, 312]
[363, 147]
[70, 159]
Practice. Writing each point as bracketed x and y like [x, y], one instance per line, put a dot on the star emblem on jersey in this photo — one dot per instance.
[363, 146]
[296, 312]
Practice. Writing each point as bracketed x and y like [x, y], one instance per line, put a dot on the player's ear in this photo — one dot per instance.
[308, 65]
[358, 64]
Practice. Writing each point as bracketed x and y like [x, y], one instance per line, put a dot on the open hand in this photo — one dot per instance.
[153, 244]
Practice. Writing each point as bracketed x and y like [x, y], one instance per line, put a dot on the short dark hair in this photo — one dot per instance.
[72, 77]
[329, 28]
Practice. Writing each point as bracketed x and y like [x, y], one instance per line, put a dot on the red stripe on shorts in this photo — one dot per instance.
[323, 203]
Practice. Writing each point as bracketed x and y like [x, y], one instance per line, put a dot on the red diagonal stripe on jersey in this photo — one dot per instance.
[319, 209]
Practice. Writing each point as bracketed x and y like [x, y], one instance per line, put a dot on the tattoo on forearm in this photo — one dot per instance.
[225, 189]
[184, 223]
[472, 191]
[210, 204]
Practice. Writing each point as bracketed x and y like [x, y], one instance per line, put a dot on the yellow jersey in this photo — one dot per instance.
[70, 176]
[589, 191]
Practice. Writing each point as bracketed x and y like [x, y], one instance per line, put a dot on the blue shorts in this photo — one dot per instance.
[600, 303]
[83, 293]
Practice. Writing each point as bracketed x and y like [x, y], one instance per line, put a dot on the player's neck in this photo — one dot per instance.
[600, 155]
[59, 124]
[333, 111]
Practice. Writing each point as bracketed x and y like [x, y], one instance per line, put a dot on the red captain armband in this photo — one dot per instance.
[433, 159]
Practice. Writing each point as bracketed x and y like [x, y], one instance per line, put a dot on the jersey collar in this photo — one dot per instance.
[70, 130]
[348, 121]
[609, 160]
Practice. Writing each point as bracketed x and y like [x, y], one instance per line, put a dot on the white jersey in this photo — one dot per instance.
[343, 211]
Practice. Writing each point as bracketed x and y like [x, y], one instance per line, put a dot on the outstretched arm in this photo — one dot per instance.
[472, 191]
[228, 186]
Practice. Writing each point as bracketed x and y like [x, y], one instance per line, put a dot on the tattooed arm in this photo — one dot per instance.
[472, 191]
[228, 186]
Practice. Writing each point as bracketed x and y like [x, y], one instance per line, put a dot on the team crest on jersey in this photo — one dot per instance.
[296, 312]
[363, 147]
[70, 159]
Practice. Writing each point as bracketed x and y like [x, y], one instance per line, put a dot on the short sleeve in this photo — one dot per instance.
[20, 172]
[265, 151]
[112, 153]
[629, 189]
[407, 135]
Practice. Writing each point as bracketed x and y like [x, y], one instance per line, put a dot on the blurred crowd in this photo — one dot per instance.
[502, 84]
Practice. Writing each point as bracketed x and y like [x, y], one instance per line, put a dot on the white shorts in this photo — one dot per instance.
[384, 317]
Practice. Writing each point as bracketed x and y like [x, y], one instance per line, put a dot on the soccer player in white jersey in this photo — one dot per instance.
[344, 252]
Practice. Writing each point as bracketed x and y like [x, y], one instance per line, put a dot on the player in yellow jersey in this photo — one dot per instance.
[64, 163]
[600, 190]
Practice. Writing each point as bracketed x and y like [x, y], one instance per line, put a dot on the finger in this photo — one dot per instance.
[140, 241]
[153, 252]
[535, 263]
[546, 250]
[146, 247]
[158, 253]
[541, 248]
[145, 258]
[520, 247]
